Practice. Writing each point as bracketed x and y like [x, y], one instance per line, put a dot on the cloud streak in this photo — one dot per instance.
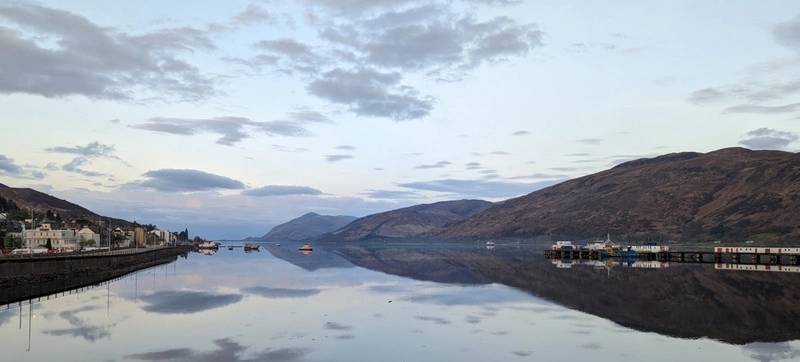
[281, 190]
[185, 180]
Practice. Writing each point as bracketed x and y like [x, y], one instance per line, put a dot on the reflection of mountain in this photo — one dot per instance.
[688, 301]
[318, 259]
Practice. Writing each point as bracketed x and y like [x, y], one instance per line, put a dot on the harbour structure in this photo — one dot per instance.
[719, 255]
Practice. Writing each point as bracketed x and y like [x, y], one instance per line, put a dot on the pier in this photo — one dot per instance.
[720, 255]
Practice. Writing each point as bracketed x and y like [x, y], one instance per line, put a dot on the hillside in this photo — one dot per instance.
[410, 221]
[30, 199]
[306, 227]
[730, 194]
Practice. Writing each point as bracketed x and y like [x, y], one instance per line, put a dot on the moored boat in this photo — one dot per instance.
[306, 247]
[208, 245]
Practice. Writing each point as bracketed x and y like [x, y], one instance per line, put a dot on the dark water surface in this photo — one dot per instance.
[377, 302]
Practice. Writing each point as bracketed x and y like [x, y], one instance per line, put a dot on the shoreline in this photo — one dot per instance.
[23, 279]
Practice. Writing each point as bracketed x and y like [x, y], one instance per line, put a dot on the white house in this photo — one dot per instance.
[87, 235]
[59, 239]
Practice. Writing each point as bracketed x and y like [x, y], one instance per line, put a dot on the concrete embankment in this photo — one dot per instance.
[26, 278]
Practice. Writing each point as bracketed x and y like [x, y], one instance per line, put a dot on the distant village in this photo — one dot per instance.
[29, 230]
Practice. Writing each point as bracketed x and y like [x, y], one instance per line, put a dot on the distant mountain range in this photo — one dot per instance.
[306, 227]
[408, 222]
[730, 194]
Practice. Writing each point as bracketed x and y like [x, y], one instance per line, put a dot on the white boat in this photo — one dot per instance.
[563, 245]
[207, 245]
[306, 247]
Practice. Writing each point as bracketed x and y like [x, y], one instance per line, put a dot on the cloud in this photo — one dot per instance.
[346, 147]
[281, 148]
[85, 155]
[436, 320]
[768, 138]
[435, 39]
[337, 326]
[11, 169]
[226, 350]
[788, 33]
[520, 133]
[473, 165]
[268, 292]
[440, 164]
[590, 141]
[253, 14]
[761, 109]
[500, 153]
[75, 167]
[360, 59]
[337, 158]
[281, 190]
[58, 54]
[231, 130]
[184, 180]
[368, 92]
[186, 302]
[477, 188]
[93, 149]
[309, 116]
[391, 194]
[707, 95]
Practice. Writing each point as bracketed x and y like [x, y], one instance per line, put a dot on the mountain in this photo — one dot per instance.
[26, 198]
[731, 194]
[30, 199]
[408, 222]
[307, 227]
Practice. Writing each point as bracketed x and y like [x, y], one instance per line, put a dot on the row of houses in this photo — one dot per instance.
[66, 239]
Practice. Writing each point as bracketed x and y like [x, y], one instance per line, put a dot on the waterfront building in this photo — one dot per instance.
[139, 236]
[61, 239]
[88, 236]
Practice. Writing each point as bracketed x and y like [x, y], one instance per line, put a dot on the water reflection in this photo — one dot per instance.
[186, 301]
[688, 301]
[227, 350]
[404, 303]
[268, 292]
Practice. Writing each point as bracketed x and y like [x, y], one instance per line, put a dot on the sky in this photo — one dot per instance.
[231, 117]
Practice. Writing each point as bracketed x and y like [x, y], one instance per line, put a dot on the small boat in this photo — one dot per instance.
[250, 246]
[208, 245]
[230, 248]
[306, 247]
[490, 243]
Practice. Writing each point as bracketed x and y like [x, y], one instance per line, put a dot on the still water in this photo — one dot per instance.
[412, 303]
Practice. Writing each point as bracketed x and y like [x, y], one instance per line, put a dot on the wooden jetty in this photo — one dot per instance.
[720, 255]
